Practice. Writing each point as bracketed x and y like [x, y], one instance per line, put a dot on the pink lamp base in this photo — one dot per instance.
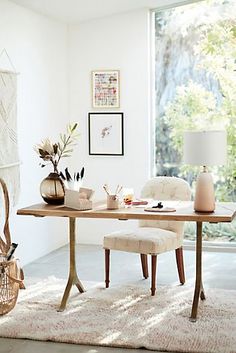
[205, 195]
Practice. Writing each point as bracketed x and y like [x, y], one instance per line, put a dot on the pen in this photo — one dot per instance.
[119, 190]
[105, 188]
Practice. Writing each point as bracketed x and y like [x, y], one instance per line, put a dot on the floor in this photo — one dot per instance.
[219, 272]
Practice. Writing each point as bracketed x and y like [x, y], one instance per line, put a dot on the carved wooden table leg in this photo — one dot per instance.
[199, 291]
[73, 277]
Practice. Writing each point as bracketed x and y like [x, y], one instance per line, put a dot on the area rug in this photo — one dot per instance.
[125, 316]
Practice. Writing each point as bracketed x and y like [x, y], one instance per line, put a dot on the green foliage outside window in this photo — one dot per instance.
[208, 102]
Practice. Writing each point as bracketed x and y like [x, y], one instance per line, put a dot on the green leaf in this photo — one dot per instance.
[61, 136]
[74, 127]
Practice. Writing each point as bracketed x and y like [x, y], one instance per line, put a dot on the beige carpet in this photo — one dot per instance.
[125, 316]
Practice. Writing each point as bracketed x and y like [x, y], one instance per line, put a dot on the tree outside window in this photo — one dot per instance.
[196, 90]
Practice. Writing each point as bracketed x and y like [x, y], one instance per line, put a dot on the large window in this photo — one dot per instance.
[195, 89]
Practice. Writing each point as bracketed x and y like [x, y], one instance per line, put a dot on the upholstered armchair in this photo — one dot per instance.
[153, 237]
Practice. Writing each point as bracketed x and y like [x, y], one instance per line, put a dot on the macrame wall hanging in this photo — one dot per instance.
[9, 158]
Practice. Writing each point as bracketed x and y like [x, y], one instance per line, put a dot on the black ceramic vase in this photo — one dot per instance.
[52, 189]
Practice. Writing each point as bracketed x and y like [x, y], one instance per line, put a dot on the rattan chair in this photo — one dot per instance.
[5, 238]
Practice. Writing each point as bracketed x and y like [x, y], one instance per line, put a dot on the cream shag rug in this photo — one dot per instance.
[125, 316]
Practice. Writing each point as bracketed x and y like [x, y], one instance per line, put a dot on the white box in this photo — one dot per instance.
[72, 200]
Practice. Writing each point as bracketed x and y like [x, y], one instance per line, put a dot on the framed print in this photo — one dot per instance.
[106, 134]
[106, 89]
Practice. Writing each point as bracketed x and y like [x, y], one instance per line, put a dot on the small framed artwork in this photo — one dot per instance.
[106, 134]
[106, 89]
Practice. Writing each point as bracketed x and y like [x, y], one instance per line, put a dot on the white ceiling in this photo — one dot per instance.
[75, 11]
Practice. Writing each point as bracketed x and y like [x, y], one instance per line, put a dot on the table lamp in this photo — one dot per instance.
[205, 148]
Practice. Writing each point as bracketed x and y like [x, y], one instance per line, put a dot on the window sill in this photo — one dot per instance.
[211, 246]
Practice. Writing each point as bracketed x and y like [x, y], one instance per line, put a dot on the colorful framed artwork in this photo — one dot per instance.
[106, 89]
[105, 133]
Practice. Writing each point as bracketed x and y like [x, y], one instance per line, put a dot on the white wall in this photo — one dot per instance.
[38, 48]
[115, 42]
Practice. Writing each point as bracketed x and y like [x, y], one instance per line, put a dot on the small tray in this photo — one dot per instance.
[164, 209]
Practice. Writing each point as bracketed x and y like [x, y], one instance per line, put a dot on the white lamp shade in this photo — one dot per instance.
[205, 147]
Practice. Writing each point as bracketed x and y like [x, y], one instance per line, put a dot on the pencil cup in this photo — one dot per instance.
[112, 202]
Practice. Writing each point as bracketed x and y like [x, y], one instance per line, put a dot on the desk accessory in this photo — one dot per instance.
[79, 200]
[113, 200]
[139, 203]
[52, 187]
[74, 183]
[159, 205]
[164, 209]
[128, 196]
[205, 148]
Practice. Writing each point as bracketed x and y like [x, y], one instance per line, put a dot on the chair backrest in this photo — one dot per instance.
[166, 188]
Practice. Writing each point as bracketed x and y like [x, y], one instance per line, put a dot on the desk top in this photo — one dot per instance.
[224, 212]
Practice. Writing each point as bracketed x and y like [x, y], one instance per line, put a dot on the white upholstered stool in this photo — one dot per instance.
[153, 237]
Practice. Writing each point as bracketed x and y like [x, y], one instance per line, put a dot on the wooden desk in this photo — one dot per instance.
[225, 212]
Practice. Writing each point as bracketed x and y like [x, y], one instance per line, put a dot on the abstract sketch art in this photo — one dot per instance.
[106, 134]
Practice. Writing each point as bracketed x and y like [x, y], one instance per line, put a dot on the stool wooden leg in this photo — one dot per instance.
[107, 267]
[180, 264]
[154, 268]
[144, 263]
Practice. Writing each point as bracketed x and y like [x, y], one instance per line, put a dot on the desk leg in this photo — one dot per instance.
[73, 277]
[199, 291]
